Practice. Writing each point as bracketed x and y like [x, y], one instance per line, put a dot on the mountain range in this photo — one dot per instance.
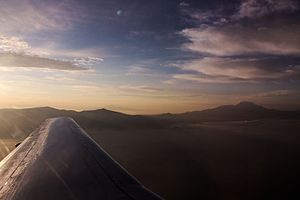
[240, 112]
[18, 123]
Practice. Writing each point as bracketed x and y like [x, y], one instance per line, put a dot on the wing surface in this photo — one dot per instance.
[60, 161]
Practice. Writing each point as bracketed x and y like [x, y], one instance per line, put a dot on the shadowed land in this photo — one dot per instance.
[253, 158]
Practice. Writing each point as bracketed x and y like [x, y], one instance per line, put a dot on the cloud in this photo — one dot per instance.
[142, 88]
[15, 52]
[259, 8]
[199, 16]
[32, 16]
[232, 49]
[144, 68]
[138, 71]
[29, 61]
[87, 61]
[222, 32]
[235, 39]
[229, 70]
[184, 4]
[13, 44]
[199, 78]
[276, 93]
[79, 53]
[203, 16]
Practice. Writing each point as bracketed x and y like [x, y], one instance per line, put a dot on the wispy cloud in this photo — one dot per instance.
[31, 16]
[92, 52]
[236, 39]
[230, 70]
[276, 93]
[13, 44]
[184, 4]
[87, 61]
[28, 61]
[144, 68]
[15, 52]
[198, 78]
[142, 88]
[259, 8]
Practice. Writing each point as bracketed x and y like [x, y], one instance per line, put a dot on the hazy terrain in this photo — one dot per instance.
[231, 152]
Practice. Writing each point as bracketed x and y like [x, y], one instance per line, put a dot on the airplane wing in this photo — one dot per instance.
[59, 161]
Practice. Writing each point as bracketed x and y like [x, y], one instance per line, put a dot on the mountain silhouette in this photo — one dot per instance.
[239, 112]
[18, 123]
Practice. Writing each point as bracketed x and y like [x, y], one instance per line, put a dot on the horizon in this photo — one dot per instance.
[142, 57]
[128, 113]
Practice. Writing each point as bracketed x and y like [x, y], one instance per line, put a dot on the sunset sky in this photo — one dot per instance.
[142, 56]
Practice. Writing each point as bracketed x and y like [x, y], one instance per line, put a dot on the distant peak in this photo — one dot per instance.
[48, 107]
[98, 110]
[104, 110]
[40, 108]
[247, 104]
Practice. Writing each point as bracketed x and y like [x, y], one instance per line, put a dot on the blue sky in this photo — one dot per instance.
[149, 56]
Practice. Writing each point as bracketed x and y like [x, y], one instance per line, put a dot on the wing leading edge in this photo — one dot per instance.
[60, 161]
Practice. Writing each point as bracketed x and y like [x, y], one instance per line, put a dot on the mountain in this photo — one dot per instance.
[18, 123]
[239, 112]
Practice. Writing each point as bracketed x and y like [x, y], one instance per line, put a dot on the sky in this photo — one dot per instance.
[141, 56]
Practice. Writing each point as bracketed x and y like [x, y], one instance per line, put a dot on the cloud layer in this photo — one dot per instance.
[244, 46]
[228, 70]
[236, 39]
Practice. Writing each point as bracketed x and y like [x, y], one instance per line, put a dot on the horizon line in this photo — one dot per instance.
[161, 113]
